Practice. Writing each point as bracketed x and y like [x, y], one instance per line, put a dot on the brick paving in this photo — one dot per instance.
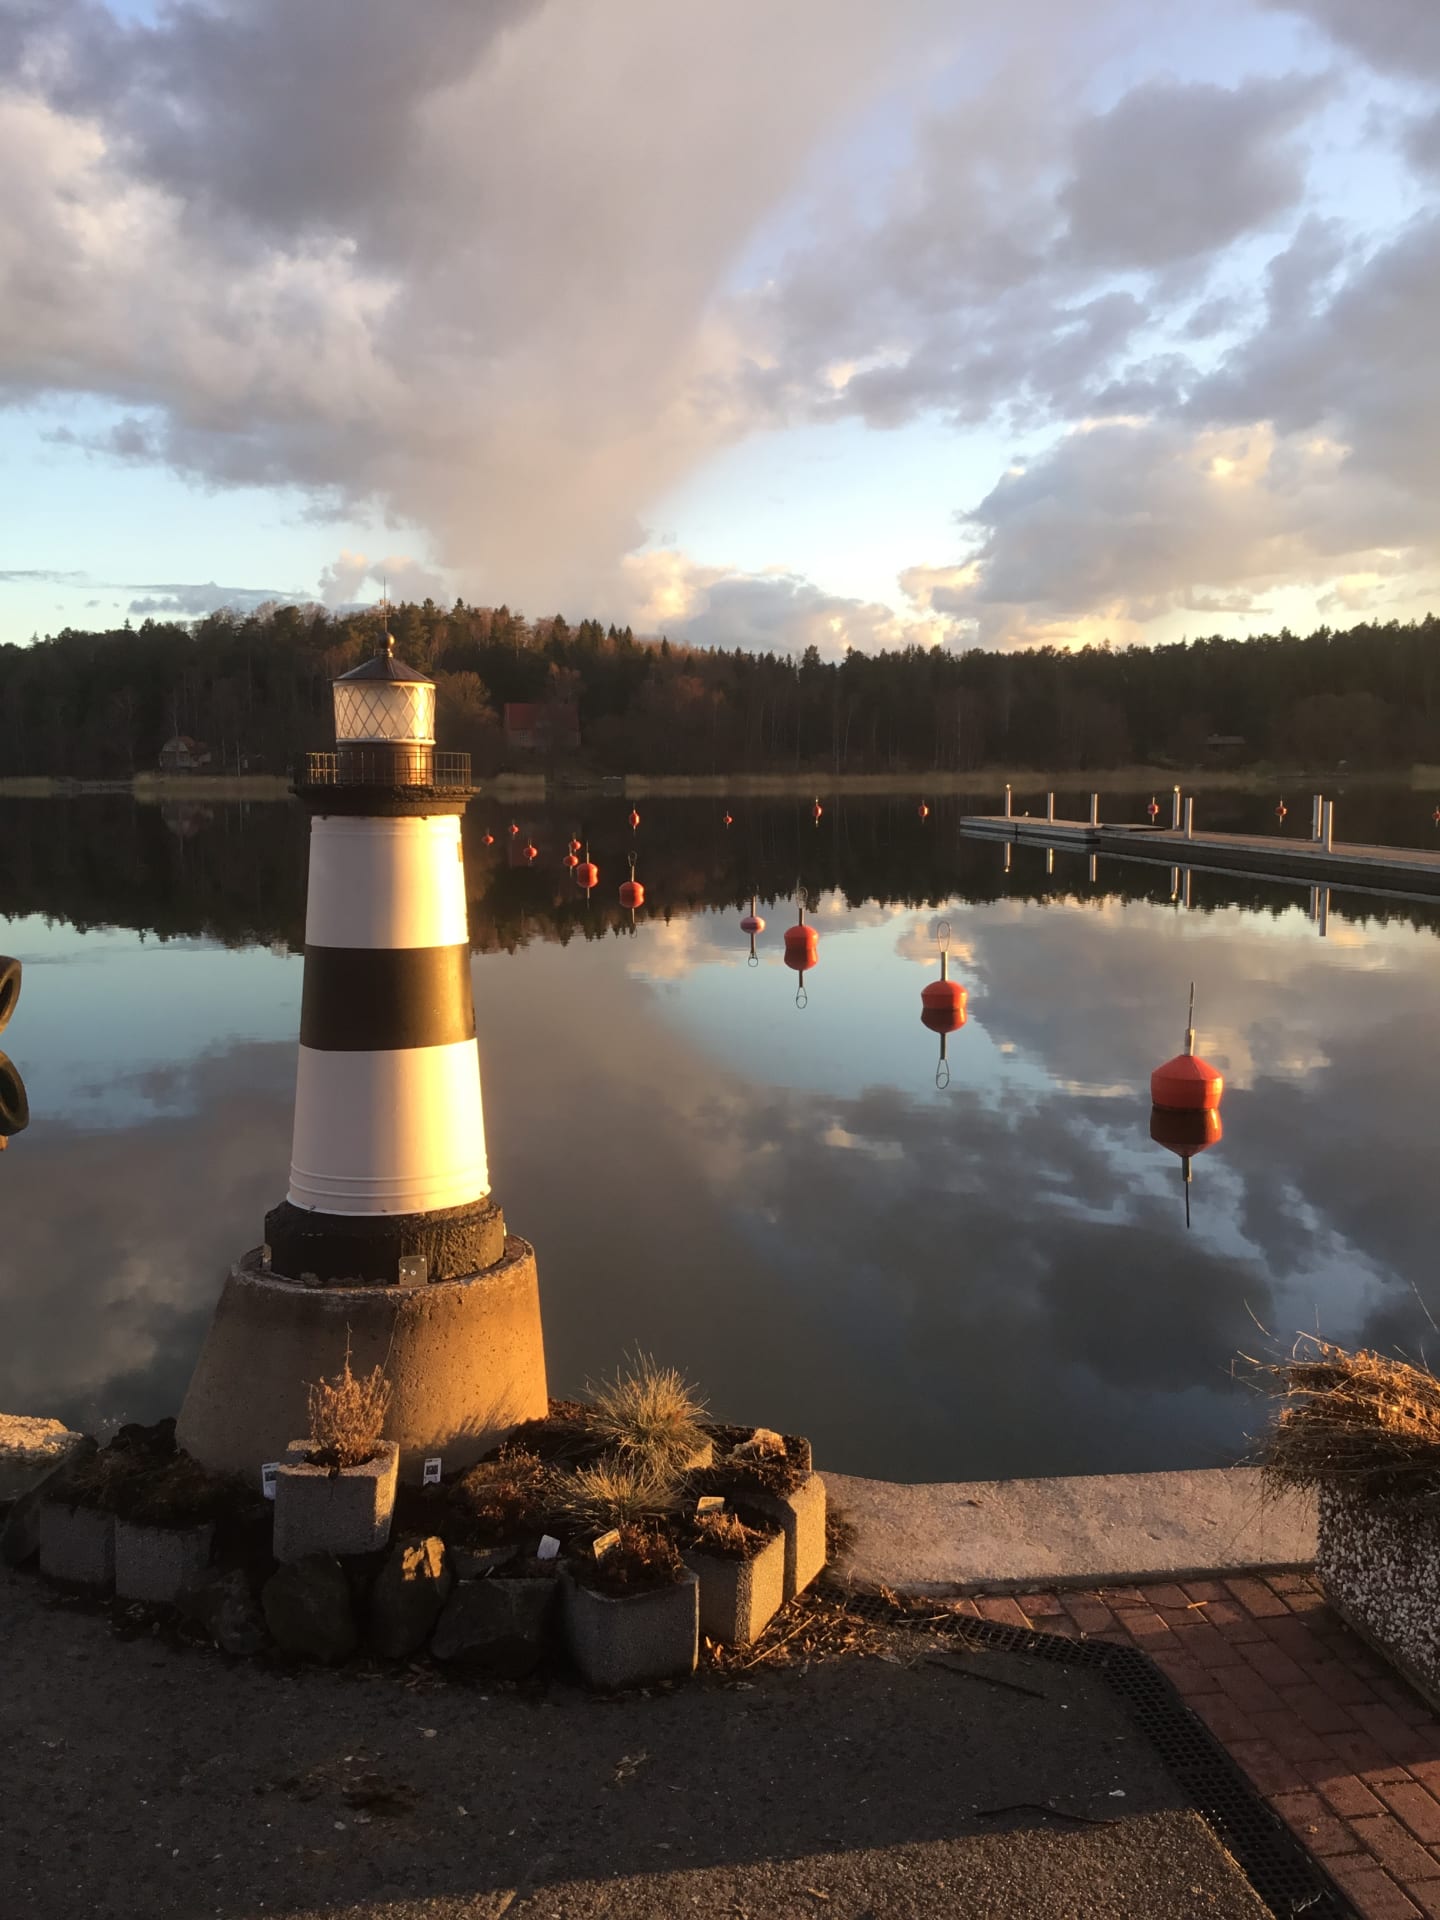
[1335, 1741]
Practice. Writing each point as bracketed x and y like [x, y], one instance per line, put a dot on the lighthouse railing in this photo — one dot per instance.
[391, 766]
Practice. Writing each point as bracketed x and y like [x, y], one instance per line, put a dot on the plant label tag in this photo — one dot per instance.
[606, 1543]
[267, 1478]
[432, 1471]
[710, 1503]
[548, 1548]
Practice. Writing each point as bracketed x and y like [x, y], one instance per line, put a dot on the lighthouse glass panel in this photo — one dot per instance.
[375, 711]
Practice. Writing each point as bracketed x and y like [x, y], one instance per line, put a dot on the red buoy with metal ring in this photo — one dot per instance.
[816, 811]
[1281, 811]
[729, 819]
[632, 894]
[532, 852]
[942, 1004]
[634, 819]
[923, 811]
[752, 921]
[575, 846]
[489, 839]
[1187, 1084]
[587, 874]
[513, 829]
[1154, 808]
[571, 860]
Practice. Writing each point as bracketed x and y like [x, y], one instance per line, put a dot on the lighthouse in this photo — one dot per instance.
[388, 1244]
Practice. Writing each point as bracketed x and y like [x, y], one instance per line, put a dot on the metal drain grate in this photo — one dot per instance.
[1282, 1873]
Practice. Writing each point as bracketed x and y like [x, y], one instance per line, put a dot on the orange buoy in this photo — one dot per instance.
[1185, 1134]
[802, 944]
[1281, 811]
[1436, 816]
[489, 839]
[632, 894]
[532, 852]
[1153, 809]
[634, 819]
[923, 811]
[1187, 1084]
[571, 860]
[752, 922]
[729, 819]
[816, 812]
[575, 846]
[587, 874]
[513, 828]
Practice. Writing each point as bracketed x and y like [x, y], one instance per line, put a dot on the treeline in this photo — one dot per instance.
[255, 690]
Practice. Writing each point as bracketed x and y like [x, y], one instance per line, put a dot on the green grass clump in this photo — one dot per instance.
[649, 1413]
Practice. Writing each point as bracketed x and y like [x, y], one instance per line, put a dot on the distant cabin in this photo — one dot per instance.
[539, 727]
[181, 754]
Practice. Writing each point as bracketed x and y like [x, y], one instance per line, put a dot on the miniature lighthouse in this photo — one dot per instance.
[388, 1244]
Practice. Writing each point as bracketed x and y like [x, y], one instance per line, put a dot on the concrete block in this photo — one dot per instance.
[77, 1544]
[318, 1510]
[154, 1563]
[497, 1626]
[30, 1451]
[1379, 1564]
[802, 1515]
[633, 1639]
[20, 1535]
[739, 1598]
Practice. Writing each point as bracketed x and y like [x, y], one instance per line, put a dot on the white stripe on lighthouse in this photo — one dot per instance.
[385, 882]
[389, 1132]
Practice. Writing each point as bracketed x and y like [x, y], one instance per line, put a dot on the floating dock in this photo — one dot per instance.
[1414, 871]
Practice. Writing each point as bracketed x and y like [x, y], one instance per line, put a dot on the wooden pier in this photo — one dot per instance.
[1413, 871]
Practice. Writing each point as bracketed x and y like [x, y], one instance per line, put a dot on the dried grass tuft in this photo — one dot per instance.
[613, 1493]
[650, 1413]
[1360, 1422]
[347, 1417]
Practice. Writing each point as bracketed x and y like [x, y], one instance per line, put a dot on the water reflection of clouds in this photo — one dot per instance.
[992, 1281]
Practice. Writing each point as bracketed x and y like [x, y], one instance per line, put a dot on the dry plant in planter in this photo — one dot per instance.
[1362, 1431]
[335, 1490]
[650, 1413]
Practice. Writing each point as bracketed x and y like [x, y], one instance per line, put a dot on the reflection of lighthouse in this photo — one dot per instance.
[388, 1245]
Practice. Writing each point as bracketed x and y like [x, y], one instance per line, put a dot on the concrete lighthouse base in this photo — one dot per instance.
[465, 1360]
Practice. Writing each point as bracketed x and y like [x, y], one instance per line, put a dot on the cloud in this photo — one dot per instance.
[1177, 170]
[1397, 36]
[773, 612]
[192, 600]
[398, 574]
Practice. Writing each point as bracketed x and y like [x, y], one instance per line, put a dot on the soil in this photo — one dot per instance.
[777, 1473]
[143, 1477]
[495, 1503]
[564, 1437]
[644, 1561]
[726, 1536]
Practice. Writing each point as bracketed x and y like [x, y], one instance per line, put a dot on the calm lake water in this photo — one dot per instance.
[992, 1278]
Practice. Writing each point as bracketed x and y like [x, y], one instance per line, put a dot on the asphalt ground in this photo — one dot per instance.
[141, 1780]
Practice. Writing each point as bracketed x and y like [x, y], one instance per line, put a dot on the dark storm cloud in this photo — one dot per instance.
[1398, 36]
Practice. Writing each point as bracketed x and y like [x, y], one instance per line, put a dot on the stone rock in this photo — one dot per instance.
[739, 1598]
[318, 1511]
[154, 1563]
[634, 1639]
[474, 1563]
[30, 1451]
[77, 1544]
[802, 1515]
[405, 1601]
[222, 1601]
[308, 1610]
[497, 1626]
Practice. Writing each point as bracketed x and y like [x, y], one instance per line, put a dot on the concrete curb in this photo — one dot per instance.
[1010, 1536]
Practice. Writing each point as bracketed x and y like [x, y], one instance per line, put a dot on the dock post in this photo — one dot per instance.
[1049, 859]
[1329, 836]
[1190, 818]
[1094, 809]
[1317, 810]
[1007, 799]
[1322, 917]
[1185, 887]
[1175, 811]
[1009, 848]
[1094, 868]
[1049, 806]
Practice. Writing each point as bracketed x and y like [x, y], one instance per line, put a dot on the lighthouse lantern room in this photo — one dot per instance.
[388, 1239]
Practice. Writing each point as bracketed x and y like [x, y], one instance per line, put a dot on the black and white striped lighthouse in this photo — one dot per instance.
[389, 1244]
[388, 1164]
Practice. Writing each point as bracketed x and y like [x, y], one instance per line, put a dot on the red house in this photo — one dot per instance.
[541, 728]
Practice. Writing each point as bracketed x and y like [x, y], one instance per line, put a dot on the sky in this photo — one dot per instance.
[827, 324]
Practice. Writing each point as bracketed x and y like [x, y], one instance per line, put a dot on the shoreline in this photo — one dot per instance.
[156, 788]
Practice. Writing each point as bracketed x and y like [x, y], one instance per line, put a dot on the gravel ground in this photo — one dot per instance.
[141, 1781]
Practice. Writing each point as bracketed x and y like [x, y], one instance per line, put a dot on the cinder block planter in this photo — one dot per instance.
[318, 1510]
[154, 1563]
[1379, 1563]
[802, 1515]
[632, 1639]
[77, 1544]
[739, 1598]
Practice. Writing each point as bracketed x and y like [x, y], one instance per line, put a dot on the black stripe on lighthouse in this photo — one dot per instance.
[383, 999]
